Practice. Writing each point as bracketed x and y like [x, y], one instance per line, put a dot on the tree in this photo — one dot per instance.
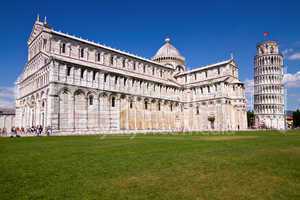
[250, 119]
[296, 119]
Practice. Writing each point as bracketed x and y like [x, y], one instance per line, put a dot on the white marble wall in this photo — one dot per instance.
[70, 84]
[268, 87]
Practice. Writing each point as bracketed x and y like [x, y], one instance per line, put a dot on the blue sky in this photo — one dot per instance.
[204, 31]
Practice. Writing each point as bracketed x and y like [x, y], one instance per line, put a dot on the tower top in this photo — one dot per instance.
[267, 47]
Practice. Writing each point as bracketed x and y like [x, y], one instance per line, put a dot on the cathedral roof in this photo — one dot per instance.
[106, 47]
[208, 66]
[168, 51]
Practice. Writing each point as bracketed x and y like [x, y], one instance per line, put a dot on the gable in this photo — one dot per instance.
[36, 30]
[233, 63]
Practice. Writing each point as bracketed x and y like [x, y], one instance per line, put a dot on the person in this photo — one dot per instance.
[18, 132]
[48, 130]
[4, 131]
[37, 130]
[22, 131]
[41, 129]
[12, 132]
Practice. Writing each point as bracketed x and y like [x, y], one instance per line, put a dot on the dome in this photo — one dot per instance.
[168, 51]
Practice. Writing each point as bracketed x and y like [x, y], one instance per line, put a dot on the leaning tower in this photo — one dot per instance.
[268, 87]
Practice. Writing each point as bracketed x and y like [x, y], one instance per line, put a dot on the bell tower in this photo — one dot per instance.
[268, 87]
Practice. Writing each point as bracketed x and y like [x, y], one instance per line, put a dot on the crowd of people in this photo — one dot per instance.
[30, 131]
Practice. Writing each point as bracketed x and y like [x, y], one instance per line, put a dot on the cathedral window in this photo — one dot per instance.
[94, 75]
[201, 90]
[63, 48]
[98, 57]
[171, 107]
[197, 110]
[116, 80]
[82, 73]
[144, 69]
[91, 100]
[113, 102]
[219, 71]
[105, 77]
[134, 66]
[125, 80]
[130, 104]
[206, 74]
[153, 71]
[124, 63]
[146, 105]
[208, 89]
[68, 71]
[44, 43]
[159, 106]
[161, 73]
[81, 53]
[111, 60]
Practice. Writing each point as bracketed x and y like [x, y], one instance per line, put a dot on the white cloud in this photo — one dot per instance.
[249, 91]
[292, 80]
[289, 80]
[249, 86]
[7, 97]
[297, 43]
[294, 56]
[287, 51]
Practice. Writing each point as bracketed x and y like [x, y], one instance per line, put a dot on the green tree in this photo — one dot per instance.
[250, 118]
[296, 118]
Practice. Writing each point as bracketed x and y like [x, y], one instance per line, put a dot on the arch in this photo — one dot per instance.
[43, 96]
[146, 104]
[92, 109]
[65, 109]
[179, 68]
[113, 100]
[80, 109]
[79, 92]
[63, 90]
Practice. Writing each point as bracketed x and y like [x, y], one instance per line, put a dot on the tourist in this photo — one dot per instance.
[22, 130]
[4, 131]
[48, 130]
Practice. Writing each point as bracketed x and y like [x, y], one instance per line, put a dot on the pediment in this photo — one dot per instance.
[36, 30]
[232, 62]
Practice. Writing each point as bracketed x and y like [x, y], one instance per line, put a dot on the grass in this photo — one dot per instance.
[249, 165]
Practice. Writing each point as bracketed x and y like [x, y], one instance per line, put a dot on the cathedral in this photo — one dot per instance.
[76, 86]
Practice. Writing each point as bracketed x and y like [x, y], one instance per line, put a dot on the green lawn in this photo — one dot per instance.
[251, 165]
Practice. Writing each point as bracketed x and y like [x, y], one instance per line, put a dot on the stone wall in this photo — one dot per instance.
[7, 122]
[77, 86]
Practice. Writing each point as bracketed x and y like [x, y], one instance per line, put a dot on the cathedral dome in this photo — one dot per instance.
[168, 52]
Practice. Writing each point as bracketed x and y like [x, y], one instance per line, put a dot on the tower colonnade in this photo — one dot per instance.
[268, 86]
